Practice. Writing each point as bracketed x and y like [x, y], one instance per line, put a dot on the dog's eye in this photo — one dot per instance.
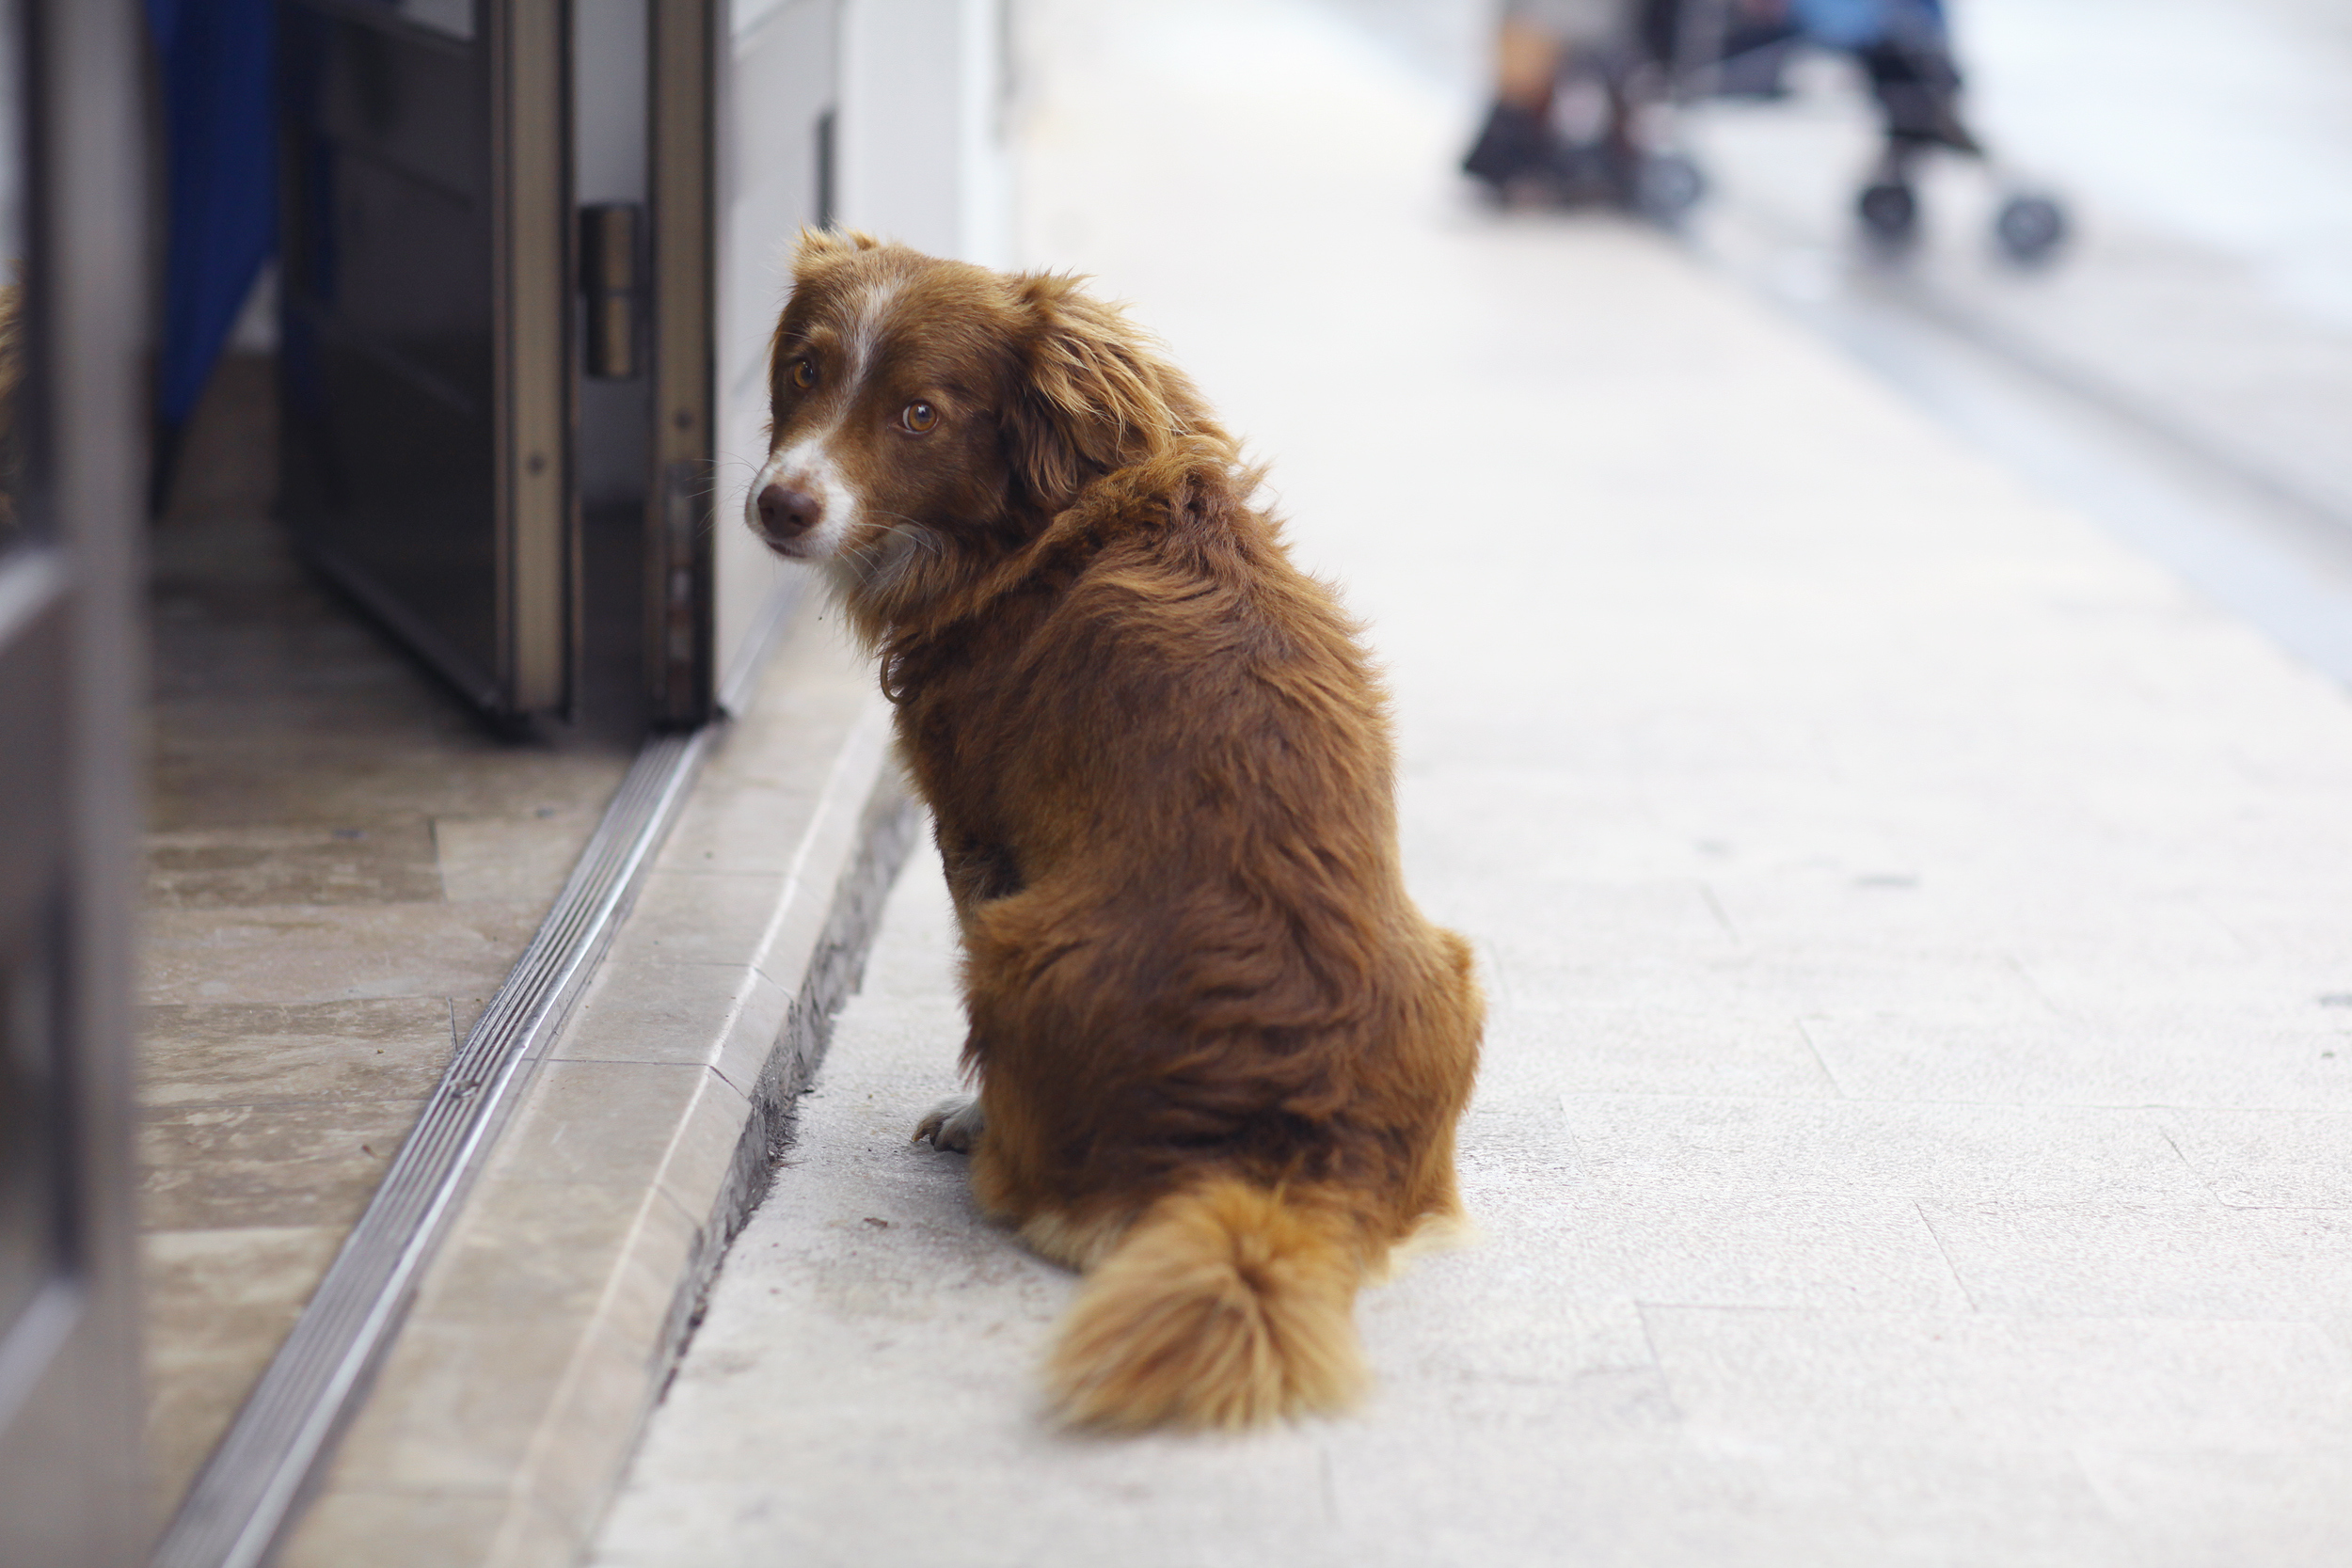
[804, 375]
[920, 417]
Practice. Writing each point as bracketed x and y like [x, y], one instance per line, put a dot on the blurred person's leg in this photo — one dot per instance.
[1557, 103]
[1917, 83]
[1904, 49]
[1516, 141]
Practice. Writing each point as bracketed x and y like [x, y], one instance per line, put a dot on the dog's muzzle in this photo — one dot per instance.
[787, 513]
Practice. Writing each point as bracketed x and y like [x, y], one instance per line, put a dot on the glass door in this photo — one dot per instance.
[71, 465]
[426, 372]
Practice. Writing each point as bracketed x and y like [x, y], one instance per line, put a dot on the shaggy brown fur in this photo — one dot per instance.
[1219, 1053]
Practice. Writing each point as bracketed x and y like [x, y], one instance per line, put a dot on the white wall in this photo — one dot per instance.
[922, 157]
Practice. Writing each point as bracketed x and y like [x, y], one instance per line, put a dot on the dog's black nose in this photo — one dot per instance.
[786, 512]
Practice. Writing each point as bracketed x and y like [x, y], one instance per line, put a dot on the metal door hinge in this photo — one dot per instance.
[611, 276]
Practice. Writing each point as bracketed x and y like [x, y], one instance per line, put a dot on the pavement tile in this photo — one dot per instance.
[1521, 1318]
[2197, 1508]
[2204, 1056]
[2001, 1382]
[2267, 1158]
[757, 786]
[1630, 1049]
[1535, 930]
[2289, 919]
[821, 1510]
[1831, 977]
[1848, 1251]
[2313, 1247]
[2034, 1261]
[1487, 1495]
[1681, 1144]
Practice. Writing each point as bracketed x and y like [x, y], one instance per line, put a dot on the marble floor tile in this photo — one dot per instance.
[386, 863]
[298, 1163]
[259, 1053]
[510, 859]
[217, 1304]
[332, 952]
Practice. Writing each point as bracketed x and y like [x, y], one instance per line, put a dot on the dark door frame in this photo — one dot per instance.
[687, 38]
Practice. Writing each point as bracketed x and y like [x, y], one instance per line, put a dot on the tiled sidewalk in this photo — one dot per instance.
[1919, 1096]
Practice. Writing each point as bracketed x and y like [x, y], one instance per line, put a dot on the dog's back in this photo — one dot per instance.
[1220, 1054]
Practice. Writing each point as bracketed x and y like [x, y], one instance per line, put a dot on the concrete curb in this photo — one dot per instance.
[542, 1336]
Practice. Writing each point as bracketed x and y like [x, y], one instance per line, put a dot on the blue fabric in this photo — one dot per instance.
[1861, 24]
[216, 60]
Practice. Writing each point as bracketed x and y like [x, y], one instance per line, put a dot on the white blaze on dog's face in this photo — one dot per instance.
[885, 380]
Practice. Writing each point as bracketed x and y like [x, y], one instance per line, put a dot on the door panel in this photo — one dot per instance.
[70, 410]
[426, 339]
[388, 386]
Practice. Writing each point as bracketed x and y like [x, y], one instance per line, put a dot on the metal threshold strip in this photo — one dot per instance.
[248, 1490]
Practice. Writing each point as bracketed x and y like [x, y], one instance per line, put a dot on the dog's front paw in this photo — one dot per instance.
[955, 1123]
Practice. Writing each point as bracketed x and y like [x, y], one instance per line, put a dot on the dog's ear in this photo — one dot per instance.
[818, 246]
[1094, 396]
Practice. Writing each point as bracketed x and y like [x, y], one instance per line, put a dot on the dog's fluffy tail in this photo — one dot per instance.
[1224, 1305]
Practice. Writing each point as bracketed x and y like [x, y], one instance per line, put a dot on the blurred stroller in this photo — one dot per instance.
[1580, 98]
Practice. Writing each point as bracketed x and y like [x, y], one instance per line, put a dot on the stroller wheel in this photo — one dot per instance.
[1889, 210]
[1666, 185]
[2029, 227]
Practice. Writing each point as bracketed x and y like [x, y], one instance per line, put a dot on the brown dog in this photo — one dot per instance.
[1219, 1053]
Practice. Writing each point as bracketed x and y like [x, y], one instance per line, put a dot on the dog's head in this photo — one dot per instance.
[931, 417]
